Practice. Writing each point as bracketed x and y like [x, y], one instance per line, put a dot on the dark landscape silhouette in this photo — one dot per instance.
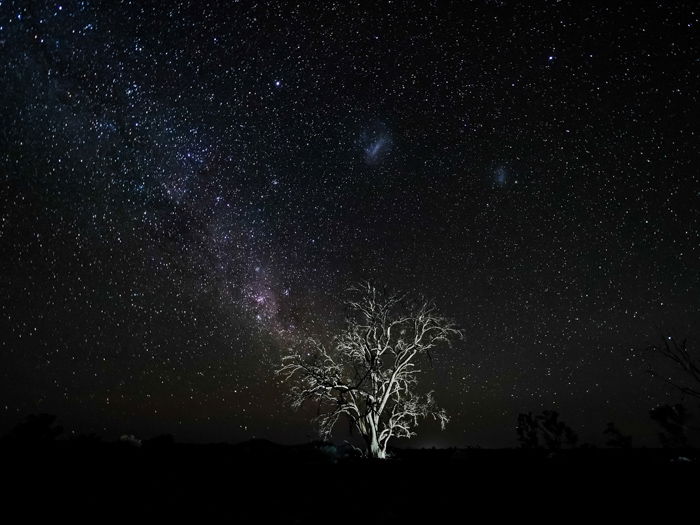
[259, 480]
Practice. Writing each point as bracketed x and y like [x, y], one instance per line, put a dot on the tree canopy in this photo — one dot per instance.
[369, 372]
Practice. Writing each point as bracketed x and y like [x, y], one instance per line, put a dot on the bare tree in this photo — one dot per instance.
[678, 353]
[369, 372]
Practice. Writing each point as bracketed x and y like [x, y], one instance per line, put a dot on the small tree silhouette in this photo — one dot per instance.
[673, 419]
[615, 438]
[527, 431]
[554, 433]
[36, 429]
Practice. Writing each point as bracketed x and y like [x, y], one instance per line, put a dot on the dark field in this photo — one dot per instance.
[261, 482]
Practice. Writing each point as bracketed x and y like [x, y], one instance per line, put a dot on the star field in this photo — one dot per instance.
[188, 187]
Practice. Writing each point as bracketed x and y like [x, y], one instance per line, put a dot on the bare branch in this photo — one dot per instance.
[678, 353]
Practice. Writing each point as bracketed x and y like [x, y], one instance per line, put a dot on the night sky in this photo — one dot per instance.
[187, 188]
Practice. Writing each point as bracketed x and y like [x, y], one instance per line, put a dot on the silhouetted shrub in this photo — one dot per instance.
[545, 427]
[36, 429]
[130, 440]
[615, 438]
[556, 433]
[527, 431]
[672, 419]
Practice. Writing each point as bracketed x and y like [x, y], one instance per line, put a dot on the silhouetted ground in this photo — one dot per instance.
[261, 482]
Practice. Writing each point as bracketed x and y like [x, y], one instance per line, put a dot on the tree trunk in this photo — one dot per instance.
[374, 449]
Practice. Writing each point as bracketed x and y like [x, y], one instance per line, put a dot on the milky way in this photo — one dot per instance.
[188, 187]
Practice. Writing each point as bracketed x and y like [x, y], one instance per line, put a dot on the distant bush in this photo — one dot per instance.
[544, 431]
[615, 438]
[36, 429]
[130, 439]
[673, 420]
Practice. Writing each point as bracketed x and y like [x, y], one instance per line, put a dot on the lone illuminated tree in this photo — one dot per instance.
[368, 374]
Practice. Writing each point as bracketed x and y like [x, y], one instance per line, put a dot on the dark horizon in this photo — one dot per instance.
[188, 188]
